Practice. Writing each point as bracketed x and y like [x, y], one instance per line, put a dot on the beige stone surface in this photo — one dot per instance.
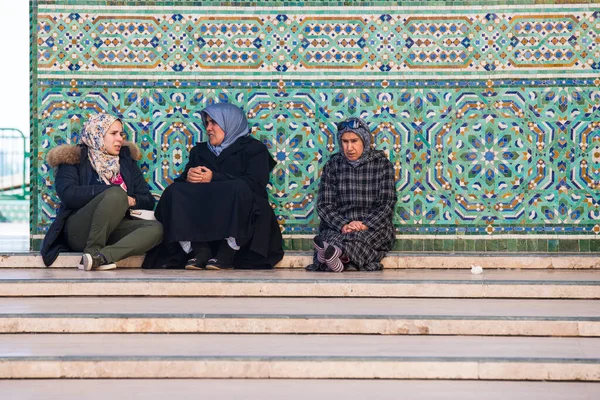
[243, 345]
[295, 315]
[277, 389]
[589, 275]
[387, 307]
[540, 371]
[299, 259]
[580, 284]
[302, 369]
[296, 325]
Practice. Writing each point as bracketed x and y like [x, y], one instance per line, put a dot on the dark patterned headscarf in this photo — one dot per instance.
[359, 127]
[231, 119]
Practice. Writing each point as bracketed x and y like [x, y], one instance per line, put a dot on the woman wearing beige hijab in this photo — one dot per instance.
[98, 183]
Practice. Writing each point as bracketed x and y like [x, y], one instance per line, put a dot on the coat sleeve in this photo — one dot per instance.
[326, 204]
[383, 208]
[256, 174]
[141, 191]
[71, 193]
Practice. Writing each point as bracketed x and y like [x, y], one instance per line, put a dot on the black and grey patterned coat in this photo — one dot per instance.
[363, 193]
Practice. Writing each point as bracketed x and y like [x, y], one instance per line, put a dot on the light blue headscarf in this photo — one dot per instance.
[231, 119]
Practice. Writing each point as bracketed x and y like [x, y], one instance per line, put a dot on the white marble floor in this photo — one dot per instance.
[290, 389]
[492, 275]
[370, 307]
[245, 345]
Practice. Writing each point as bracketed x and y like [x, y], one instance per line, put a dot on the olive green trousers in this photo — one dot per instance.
[102, 226]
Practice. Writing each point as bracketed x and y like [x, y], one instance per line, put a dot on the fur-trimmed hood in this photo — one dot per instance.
[71, 153]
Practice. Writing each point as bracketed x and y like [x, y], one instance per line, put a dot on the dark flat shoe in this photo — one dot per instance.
[316, 267]
[214, 264]
[193, 263]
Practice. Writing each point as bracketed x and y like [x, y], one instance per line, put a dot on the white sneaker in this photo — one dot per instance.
[105, 267]
[86, 262]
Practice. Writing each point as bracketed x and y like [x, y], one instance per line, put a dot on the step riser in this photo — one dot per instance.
[301, 369]
[392, 261]
[313, 289]
[302, 325]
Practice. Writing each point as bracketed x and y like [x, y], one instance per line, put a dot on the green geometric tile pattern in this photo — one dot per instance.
[491, 118]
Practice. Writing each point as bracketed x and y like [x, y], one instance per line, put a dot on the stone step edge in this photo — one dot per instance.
[394, 260]
[301, 324]
[308, 288]
[302, 367]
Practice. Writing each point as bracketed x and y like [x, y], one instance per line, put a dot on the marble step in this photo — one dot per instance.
[391, 316]
[394, 260]
[298, 356]
[542, 284]
[294, 389]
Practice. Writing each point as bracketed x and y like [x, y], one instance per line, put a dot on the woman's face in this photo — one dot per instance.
[352, 146]
[216, 135]
[113, 138]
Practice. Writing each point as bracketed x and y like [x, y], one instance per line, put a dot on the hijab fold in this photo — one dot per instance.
[106, 165]
[231, 119]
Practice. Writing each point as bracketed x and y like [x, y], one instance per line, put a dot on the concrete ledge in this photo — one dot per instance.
[545, 284]
[300, 324]
[389, 316]
[394, 260]
[298, 368]
[298, 356]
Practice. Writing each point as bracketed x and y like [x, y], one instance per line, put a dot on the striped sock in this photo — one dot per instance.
[332, 258]
[320, 247]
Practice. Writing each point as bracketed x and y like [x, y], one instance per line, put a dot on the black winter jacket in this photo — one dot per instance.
[75, 188]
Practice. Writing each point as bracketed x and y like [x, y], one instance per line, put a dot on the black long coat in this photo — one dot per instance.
[234, 203]
[75, 188]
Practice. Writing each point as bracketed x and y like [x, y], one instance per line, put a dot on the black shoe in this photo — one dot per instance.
[194, 263]
[224, 257]
[316, 267]
[201, 255]
[215, 264]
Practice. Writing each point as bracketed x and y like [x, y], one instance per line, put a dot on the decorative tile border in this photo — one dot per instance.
[384, 43]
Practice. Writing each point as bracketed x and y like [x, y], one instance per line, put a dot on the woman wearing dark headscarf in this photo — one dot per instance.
[219, 204]
[98, 183]
[355, 203]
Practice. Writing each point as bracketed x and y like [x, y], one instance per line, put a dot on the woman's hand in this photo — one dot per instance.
[132, 201]
[207, 174]
[354, 226]
[199, 175]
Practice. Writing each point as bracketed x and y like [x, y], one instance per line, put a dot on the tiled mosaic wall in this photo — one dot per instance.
[490, 113]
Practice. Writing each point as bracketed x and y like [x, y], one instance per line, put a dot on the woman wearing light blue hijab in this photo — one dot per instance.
[216, 215]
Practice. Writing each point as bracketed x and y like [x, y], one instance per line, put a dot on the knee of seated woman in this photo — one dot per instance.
[156, 228]
[237, 185]
[117, 196]
[154, 231]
